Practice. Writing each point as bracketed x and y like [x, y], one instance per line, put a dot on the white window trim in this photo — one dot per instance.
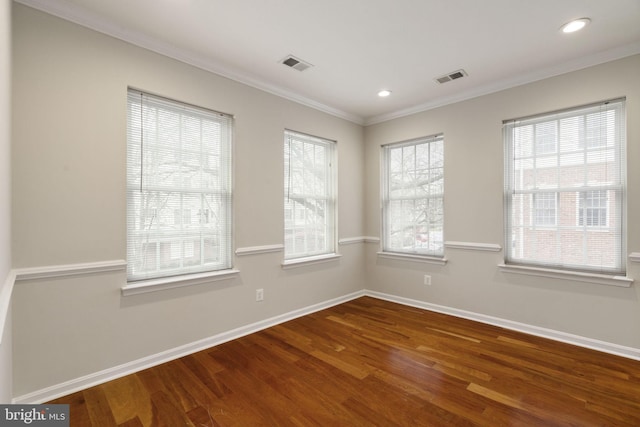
[576, 276]
[332, 200]
[302, 262]
[178, 275]
[164, 283]
[563, 273]
[384, 195]
[413, 257]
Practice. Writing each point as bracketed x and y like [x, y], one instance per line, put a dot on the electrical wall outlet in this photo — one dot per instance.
[259, 294]
[427, 280]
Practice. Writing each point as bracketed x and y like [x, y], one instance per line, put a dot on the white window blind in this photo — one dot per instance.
[309, 195]
[413, 197]
[178, 188]
[560, 164]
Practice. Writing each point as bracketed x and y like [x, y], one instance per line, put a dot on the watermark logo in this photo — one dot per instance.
[34, 415]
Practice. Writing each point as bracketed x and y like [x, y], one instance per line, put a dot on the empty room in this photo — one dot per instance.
[298, 213]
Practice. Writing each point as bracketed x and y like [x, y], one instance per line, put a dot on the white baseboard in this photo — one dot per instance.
[77, 384]
[580, 341]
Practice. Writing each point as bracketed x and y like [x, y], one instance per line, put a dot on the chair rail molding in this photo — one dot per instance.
[50, 271]
[492, 247]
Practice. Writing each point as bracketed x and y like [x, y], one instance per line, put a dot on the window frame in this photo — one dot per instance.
[388, 249]
[586, 153]
[143, 180]
[325, 226]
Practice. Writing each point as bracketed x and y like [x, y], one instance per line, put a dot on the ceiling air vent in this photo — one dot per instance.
[295, 63]
[451, 76]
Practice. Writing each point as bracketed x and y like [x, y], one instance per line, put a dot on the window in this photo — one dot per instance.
[413, 196]
[583, 173]
[593, 208]
[309, 196]
[178, 166]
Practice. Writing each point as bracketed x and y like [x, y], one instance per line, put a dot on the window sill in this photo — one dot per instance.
[599, 279]
[153, 285]
[411, 257]
[301, 262]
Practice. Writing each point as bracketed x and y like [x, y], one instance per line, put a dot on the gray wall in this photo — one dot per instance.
[5, 198]
[69, 204]
[471, 280]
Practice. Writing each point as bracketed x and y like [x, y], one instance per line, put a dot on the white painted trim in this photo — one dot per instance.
[492, 247]
[580, 341]
[146, 286]
[5, 300]
[253, 250]
[66, 270]
[97, 23]
[47, 272]
[371, 239]
[522, 79]
[634, 257]
[352, 240]
[414, 258]
[81, 383]
[600, 279]
[303, 262]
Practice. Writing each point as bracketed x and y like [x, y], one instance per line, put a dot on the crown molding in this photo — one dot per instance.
[98, 24]
[545, 73]
[203, 62]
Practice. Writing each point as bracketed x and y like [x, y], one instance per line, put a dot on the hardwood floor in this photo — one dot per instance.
[371, 362]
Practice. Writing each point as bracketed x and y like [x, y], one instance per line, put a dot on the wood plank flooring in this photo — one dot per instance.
[373, 363]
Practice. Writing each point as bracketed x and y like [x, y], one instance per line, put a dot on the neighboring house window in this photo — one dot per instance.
[545, 209]
[178, 165]
[309, 195]
[413, 197]
[593, 208]
[584, 173]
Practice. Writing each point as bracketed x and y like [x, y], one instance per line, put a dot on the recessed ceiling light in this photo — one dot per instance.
[575, 25]
[384, 93]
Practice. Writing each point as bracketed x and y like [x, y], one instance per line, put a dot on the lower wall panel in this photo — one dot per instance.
[606, 347]
[57, 390]
[72, 327]
[82, 382]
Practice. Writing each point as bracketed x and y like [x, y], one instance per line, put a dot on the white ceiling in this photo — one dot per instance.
[358, 47]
